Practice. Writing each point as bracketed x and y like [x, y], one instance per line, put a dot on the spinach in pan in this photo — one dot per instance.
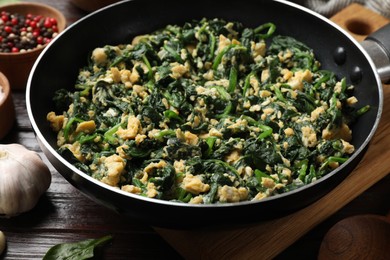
[207, 112]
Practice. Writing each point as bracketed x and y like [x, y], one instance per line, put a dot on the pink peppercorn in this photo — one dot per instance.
[4, 18]
[14, 21]
[47, 23]
[8, 29]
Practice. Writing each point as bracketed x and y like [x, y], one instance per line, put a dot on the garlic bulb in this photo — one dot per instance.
[24, 177]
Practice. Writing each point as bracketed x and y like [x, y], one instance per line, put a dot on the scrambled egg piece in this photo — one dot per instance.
[140, 91]
[343, 132]
[315, 114]
[258, 50]
[196, 200]
[151, 190]
[56, 122]
[114, 166]
[267, 183]
[259, 196]
[265, 74]
[179, 165]
[289, 131]
[215, 132]
[286, 55]
[86, 127]
[133, 126]
[194, 184]
[179, 70]
[119, 150]
[287, 74]
[191, 139]
[139, 138]
[125, 77]
[309, 136]
[233, 157]
[296, 82]
[132, 189]
[115, 74]
[352, 100]
[347, 147]
[134, 76]
[99, 56]
[231, 194]
[75, 149]
[223, 42]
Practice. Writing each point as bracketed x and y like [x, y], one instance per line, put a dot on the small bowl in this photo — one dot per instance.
[7, 110]
[17, 66]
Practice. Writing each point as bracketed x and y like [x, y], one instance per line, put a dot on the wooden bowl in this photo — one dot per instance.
[7, 111]
[17, 66]
[357, 237]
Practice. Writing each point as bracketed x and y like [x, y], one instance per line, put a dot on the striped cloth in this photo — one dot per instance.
[330, 7]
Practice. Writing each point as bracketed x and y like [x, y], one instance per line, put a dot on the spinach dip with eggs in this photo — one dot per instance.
[207, 112]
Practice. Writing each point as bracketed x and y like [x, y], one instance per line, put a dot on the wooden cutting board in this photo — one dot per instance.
[269, 238]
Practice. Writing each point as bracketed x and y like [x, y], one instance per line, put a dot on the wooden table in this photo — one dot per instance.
[64, 215]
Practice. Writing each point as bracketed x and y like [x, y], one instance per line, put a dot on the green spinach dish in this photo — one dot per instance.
[207, 112]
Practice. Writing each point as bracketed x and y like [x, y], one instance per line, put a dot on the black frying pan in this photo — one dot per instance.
[58, 66]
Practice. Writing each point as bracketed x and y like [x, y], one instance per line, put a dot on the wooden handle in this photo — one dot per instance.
[359, 21]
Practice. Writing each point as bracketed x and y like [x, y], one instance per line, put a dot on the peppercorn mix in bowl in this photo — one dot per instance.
[25, 29]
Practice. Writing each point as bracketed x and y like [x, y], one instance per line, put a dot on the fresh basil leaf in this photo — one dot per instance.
[77, 251]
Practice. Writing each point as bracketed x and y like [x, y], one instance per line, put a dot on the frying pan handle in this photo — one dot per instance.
[378, 47]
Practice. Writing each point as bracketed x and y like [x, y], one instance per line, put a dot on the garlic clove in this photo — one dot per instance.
[24, 177]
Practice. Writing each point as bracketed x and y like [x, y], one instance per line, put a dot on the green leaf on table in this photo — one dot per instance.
[77, 251]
